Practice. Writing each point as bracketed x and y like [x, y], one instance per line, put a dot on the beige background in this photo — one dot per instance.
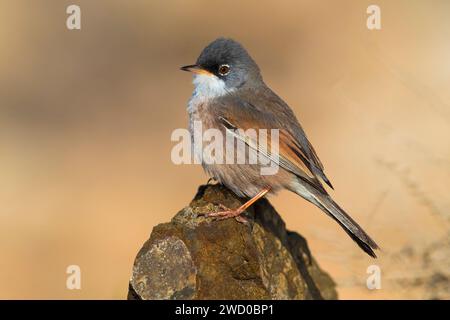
[86, 118]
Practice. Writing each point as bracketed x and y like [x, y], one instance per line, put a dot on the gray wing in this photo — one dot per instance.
[296, 154]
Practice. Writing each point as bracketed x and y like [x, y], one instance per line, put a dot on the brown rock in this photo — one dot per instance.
[193, 257]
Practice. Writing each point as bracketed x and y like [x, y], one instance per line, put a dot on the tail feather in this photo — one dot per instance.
[324, 202]
[353, 229]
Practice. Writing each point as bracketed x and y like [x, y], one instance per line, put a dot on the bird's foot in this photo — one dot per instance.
[228, 213]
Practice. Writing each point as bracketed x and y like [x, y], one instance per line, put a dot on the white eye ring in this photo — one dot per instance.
[224, 69]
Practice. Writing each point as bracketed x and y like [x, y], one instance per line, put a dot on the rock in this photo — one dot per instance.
[193, 257]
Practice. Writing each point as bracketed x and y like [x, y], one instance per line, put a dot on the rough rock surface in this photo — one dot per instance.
[193, 257]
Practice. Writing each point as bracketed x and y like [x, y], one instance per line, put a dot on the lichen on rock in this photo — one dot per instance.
[194, 257]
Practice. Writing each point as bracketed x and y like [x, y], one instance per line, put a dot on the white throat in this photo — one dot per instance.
[208, 86]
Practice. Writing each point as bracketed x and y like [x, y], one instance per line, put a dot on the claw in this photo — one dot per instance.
[211, 181]
[241, 219]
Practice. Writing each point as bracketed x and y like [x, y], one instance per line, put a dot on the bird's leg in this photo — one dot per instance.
[236, 213]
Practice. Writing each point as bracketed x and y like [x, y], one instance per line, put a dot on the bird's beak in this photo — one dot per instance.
[194, 68]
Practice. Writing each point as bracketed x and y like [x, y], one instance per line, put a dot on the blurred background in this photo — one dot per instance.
[86, 118]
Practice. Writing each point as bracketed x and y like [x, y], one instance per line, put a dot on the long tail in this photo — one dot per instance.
[324, 202]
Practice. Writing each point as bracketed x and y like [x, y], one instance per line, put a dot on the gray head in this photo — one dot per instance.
[224, 65]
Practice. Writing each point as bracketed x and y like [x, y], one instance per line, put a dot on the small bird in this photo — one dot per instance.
[230, 94]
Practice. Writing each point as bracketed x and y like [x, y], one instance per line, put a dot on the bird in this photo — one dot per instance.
[230, 96]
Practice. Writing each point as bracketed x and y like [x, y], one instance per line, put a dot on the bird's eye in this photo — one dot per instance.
[224, 69]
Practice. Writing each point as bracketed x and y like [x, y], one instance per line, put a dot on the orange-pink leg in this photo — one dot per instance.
[236, 213]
